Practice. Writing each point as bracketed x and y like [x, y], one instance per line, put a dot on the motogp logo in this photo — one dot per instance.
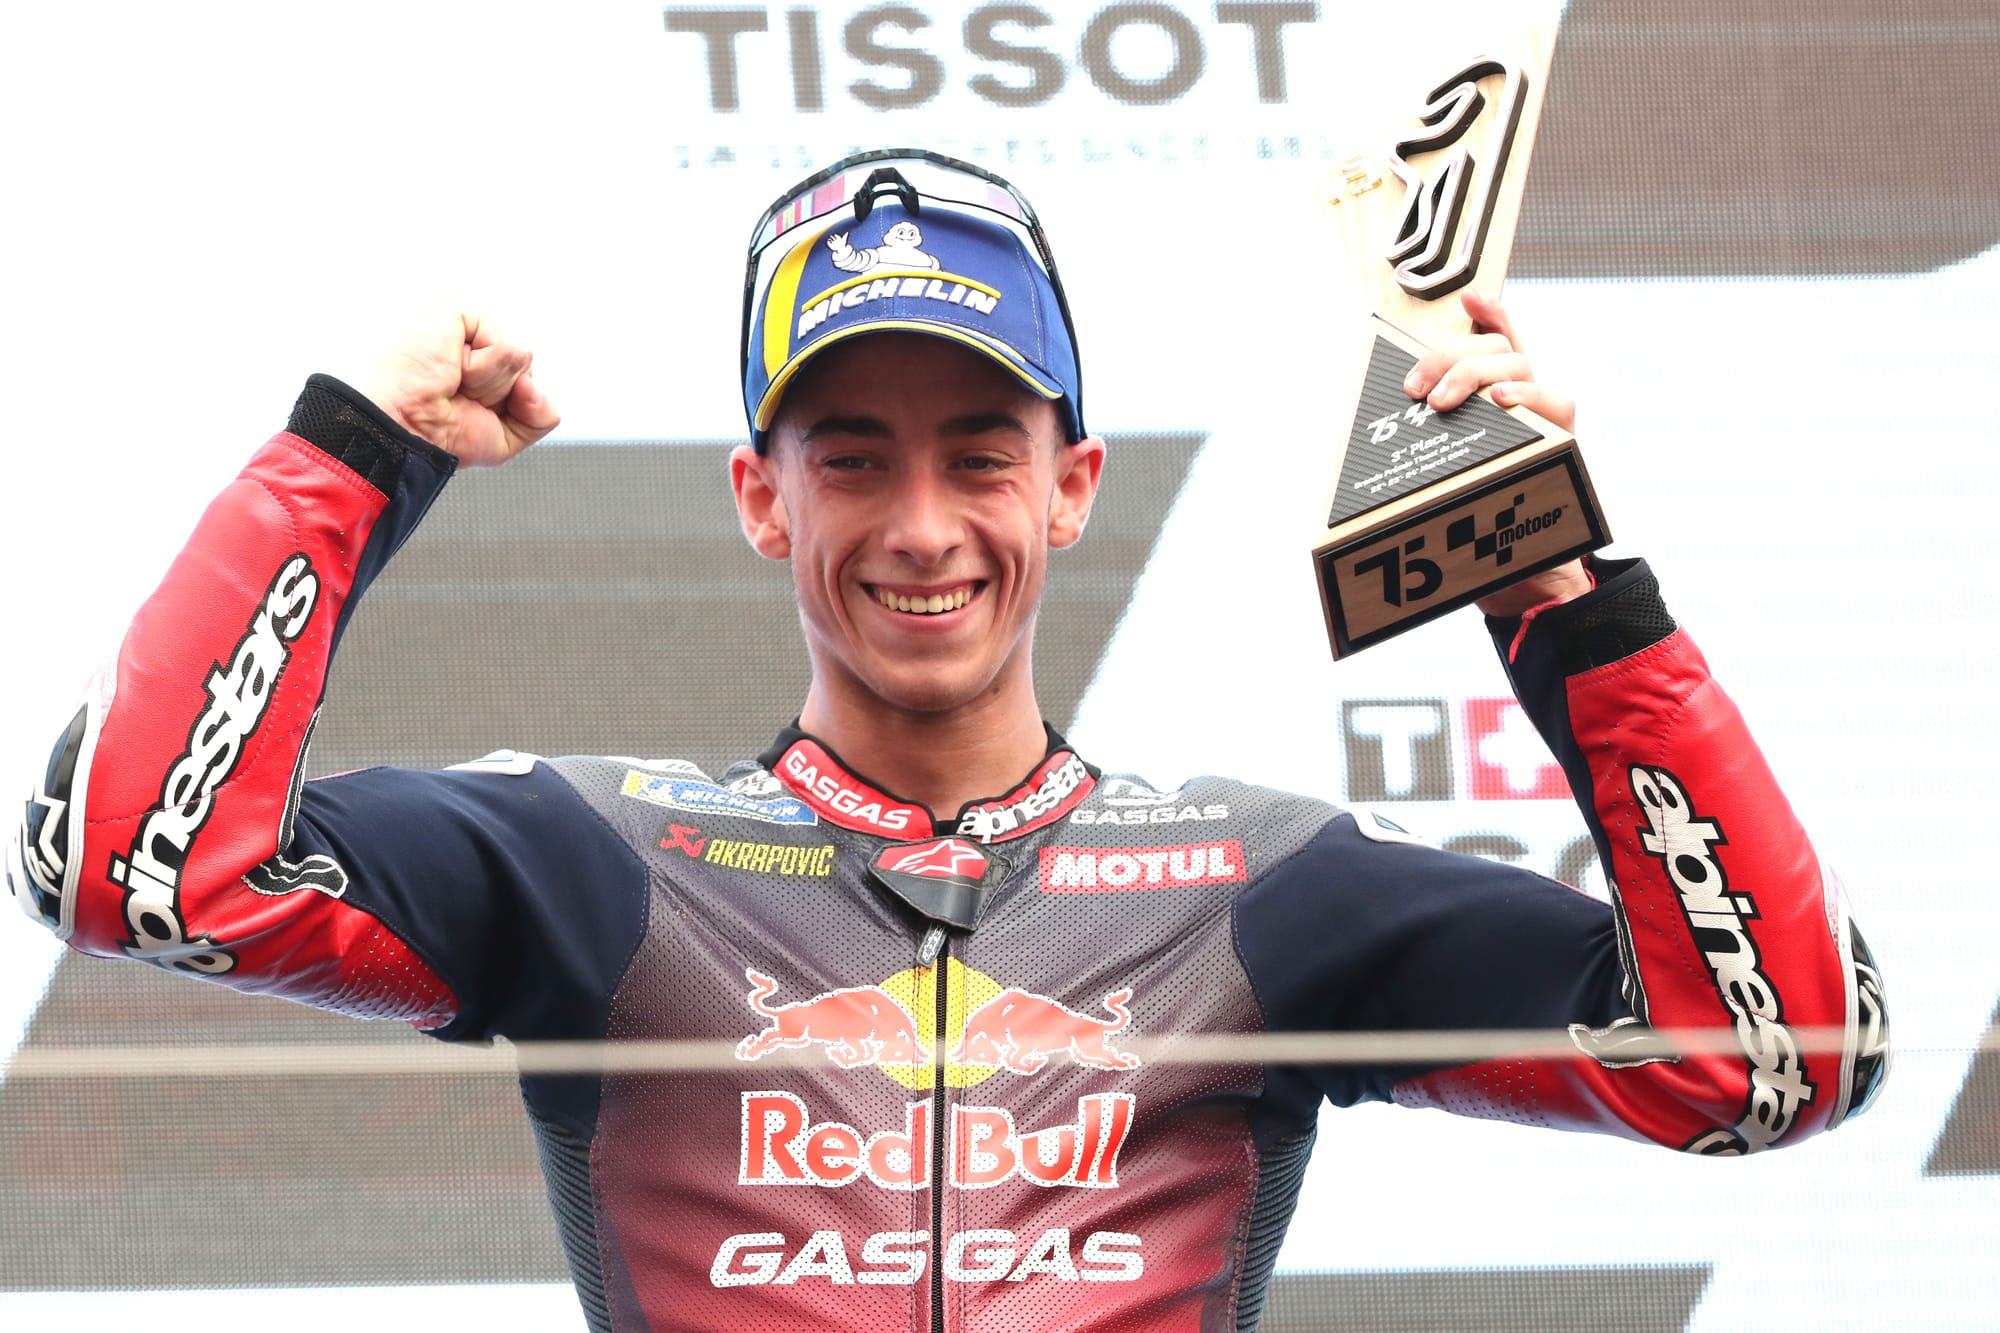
[1508, 528]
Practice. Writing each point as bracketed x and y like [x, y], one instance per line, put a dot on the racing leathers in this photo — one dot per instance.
[937, 1072]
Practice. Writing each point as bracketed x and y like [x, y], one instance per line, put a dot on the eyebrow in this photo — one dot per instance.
[962, 426]
[844, 425]
[984, 423]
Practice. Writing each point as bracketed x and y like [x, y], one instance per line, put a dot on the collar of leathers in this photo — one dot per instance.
[811, 771]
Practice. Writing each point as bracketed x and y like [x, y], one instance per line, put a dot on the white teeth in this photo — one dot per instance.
[935, 604]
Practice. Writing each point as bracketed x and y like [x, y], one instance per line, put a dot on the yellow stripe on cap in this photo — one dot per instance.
[778, 298]
[767, 406]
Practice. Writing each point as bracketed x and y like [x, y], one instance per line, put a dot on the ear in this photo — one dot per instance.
[1078, 469]
[759, 505]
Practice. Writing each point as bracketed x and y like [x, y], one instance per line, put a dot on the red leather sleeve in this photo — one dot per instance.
[158, 832]
[1729, 927]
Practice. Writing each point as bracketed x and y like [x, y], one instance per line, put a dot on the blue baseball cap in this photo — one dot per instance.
[903, 239]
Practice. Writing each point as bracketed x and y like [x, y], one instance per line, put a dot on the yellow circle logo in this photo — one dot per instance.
[965, 991]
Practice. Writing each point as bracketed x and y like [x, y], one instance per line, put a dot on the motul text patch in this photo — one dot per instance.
[1108, 870]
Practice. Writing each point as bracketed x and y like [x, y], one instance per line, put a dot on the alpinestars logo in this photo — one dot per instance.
[238, 697]
[41, 847]
[1685, 844]
[989, 822]
[1508, 527]
[947, 858]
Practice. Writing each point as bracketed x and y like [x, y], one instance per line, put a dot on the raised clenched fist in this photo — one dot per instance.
[464, 387]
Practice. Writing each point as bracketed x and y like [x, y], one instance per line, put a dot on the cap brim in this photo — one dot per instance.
[1015, 363]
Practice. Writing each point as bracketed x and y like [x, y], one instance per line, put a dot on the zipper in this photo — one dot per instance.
[939, 1167]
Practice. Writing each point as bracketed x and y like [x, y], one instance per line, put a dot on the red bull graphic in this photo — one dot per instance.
[894, 1027]
[858, 1025]
[782, 1145]
[1019, 1030]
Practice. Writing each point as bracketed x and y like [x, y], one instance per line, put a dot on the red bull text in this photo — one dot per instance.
[782, 1145]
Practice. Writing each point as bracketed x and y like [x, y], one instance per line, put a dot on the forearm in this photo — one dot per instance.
[178, 772]
[1727, 914]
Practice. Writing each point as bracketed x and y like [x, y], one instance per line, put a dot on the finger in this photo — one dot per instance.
[529, 414]
[481, 331]
[1475, 373]
[1432, 365]
[1558, 408]
[1489, 316]
[490, 372]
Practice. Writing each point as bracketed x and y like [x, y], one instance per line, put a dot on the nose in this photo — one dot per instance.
[924, 522]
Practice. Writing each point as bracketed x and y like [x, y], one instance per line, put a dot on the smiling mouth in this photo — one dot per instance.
[933, 604]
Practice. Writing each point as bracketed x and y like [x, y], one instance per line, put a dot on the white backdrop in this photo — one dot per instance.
[208, 201]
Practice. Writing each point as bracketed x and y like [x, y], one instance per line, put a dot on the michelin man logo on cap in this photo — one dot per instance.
[898, 250]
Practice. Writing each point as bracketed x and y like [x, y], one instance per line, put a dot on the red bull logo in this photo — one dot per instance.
[1019, 1030]
[891, 1027]
[858, 1025]
[783, 1145]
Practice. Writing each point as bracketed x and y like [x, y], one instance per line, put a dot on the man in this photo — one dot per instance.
[941, 957]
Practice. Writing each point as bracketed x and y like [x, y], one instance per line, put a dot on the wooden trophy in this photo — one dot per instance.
[1431, 510]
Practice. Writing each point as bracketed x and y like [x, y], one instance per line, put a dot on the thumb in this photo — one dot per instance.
[489, 373]
[528, 413]
[1489, 316]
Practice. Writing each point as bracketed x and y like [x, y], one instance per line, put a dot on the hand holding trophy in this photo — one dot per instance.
[1434, 509]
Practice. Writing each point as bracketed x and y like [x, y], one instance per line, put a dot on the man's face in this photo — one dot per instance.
[916, 488]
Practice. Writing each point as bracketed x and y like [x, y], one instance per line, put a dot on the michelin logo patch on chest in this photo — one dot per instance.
[901, 267]
[709, 799]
